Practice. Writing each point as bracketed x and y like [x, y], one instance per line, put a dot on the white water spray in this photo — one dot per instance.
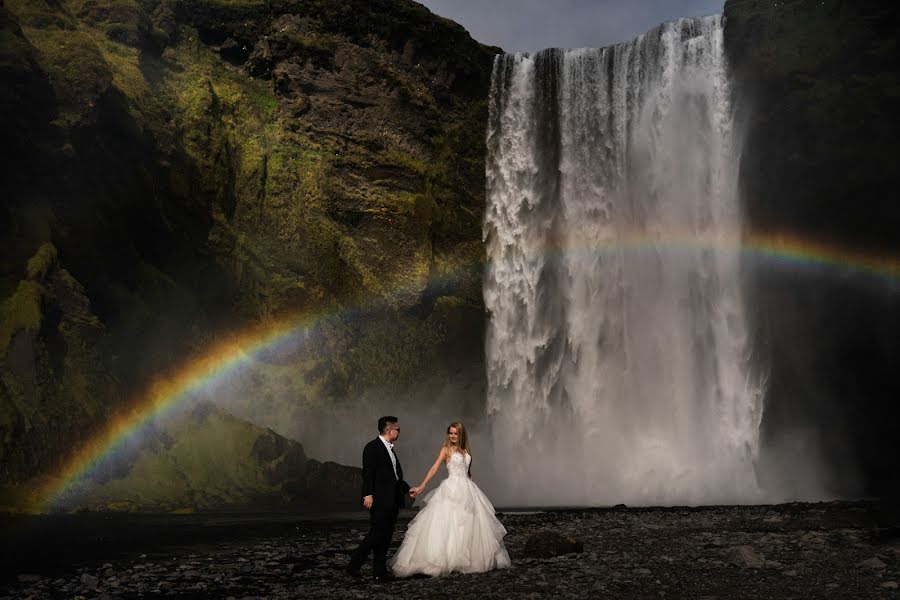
[618, 351]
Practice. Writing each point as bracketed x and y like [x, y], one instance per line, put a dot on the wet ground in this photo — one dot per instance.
[824, 550]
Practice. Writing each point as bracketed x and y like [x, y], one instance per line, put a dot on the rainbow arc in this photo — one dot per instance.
[204, 370]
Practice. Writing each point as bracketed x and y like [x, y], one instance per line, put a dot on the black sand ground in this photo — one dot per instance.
[826, 550]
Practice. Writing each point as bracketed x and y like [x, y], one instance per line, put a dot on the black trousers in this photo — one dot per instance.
[381, 529]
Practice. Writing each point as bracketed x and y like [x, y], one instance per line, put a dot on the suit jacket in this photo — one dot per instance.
[388, 492]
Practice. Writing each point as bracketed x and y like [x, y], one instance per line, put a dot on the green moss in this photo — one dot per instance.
[78, 73]
[285, 183]
[350, 256]
[124, 62]
[21, 312]
[319, 48]
[333, 257]
[231, 130]
[40, 263]
[416, 165]
[264, 101]
[297, 171]
[119, 20]
[39, 14]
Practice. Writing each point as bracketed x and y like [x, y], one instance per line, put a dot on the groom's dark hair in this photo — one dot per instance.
[383, 421]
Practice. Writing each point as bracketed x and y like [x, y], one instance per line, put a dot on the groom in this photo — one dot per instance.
[383, 490]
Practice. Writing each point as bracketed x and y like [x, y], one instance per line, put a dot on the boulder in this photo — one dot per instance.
[745, 556]
[872, 563]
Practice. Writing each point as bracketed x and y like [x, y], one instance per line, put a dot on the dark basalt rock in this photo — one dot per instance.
[234, 52]
[547, 544]
[816, 87]
[811, 550]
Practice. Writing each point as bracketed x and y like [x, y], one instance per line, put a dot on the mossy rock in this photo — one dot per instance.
[41, 262]
[123, 21]
[40, 14]
[79, 75]
[21, 312]
[188, 198]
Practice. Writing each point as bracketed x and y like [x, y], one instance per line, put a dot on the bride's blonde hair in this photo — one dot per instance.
[462, 442]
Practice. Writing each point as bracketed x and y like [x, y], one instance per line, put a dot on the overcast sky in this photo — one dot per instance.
[530, 25]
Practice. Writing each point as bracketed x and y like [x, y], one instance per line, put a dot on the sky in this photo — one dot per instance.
[531, 25]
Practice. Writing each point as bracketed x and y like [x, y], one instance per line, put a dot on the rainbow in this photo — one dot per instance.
[166, 393]
[204, 370]
[786, 249]
[802, 252]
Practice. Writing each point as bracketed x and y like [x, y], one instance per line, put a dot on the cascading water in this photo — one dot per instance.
[617, 343]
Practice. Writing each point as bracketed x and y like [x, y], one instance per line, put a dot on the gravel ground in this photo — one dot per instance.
[824, 550]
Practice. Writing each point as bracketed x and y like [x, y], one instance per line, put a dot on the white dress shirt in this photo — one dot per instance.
[390, 449]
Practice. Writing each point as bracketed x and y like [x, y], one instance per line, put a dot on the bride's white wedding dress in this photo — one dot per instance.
[455, 531]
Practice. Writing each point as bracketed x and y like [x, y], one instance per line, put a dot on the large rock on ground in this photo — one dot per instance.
[745, 556]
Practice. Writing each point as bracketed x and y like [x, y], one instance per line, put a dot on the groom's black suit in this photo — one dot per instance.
[388, 492]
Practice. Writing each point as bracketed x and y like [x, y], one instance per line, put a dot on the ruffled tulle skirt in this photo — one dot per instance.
[456, 530]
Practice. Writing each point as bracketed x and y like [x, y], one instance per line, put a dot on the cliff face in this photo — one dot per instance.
[174, 171]
[817, 85]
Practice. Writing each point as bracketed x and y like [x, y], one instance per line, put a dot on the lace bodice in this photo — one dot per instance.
[458, 464]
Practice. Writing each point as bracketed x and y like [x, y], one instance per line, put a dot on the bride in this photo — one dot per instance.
[457, 529]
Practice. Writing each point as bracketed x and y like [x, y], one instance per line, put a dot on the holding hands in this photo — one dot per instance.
[414, 491]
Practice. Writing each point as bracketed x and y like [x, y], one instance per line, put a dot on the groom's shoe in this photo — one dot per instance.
[383, 578]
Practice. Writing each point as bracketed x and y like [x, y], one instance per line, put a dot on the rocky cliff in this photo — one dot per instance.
[817, 86]
[174, 171]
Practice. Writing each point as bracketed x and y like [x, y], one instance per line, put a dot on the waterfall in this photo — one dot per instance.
[617, 346]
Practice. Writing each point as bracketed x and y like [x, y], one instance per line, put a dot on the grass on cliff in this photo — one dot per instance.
[82, 61]
[39, 14]
[78, 73]
[240, 115]
[281, 181]
[20, 312]
[40, 263]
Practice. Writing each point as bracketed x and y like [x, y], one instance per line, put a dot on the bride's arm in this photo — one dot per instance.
[433, 470]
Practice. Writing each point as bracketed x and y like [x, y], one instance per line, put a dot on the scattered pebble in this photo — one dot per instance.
[872, 563]
[715, 552]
